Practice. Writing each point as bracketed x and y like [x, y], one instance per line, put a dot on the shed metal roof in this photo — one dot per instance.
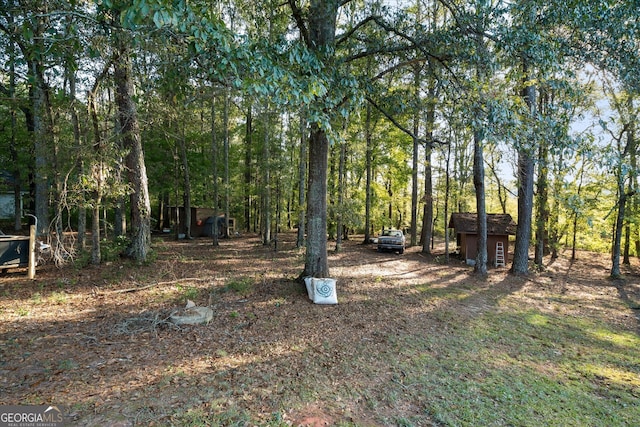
[497, 224]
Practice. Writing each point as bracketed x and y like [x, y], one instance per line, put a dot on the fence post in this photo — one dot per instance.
[32, 252]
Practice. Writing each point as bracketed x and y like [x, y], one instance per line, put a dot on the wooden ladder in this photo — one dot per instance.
[500, 260]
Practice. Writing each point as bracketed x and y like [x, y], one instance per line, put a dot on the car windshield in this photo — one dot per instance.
[392, 233]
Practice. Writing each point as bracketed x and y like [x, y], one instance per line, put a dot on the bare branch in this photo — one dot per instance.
[413, 44]
[356, 27]
[399, 65]
[299, 18]
[152, 285]
[456, 11]
[430, 142]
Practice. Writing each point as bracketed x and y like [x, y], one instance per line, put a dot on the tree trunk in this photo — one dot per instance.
[526, 165]
[414, 162]
[322, 28]
[120, 203]
[82, 210]
[214, 172]
[120, 211]
[427, 217]
[447, 187]
[627, 244]
[542, 213]
[316, 263]
[622, 200]
[369, 173]
[13, 150]
[302, 175]
[266, 181]
[414, 194]
[130, 135]
[247, 168]
[186, 184]
[575, 214]
[341, 190]
[555, 233]
[633, 183]
[59, 251]
[97, 175]
[332, 191]
[227, 195]
[95, 233]
[478, 180]
[41, 117]
[617, 232]
[42, 134]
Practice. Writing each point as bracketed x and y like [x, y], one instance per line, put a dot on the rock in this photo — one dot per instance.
[193, 316]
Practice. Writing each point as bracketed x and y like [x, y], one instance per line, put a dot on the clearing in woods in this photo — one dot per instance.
[412, 341]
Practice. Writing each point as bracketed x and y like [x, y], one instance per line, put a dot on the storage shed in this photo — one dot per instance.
[7, 196]
[201, 221]
[499, 228]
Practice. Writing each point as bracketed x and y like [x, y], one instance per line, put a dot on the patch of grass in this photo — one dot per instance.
[189, 292]
[36, 298]
[65, 282]
[67, 365]
[58, 297]
[242, 286]
[524, 368]
[218, 414]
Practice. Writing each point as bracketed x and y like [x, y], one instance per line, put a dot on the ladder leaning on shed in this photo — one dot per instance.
[500, 260]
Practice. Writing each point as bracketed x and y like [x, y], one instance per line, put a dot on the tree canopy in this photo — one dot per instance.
[336, 117]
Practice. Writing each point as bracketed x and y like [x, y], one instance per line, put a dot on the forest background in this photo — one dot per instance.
[332, 117]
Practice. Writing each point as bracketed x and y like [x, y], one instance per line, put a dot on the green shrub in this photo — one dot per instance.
[112, 250]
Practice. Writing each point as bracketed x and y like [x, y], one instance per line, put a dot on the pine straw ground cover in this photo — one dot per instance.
[412, 342]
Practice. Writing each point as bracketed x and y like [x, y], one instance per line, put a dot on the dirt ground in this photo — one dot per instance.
[97, 340]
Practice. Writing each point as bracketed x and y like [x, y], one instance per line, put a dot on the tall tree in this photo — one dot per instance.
[480, 266]
[318, 32]
[302, 178]
[13, 148]
[415, 155]
[182, 147]
[266, 211]
[129, 132]
[214, 166]
[28, 34]
[526, 149]
[248, 156]
[427, 216]
[368, 137]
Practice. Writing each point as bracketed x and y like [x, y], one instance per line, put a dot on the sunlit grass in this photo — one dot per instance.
[525, 368]
[622, 339]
